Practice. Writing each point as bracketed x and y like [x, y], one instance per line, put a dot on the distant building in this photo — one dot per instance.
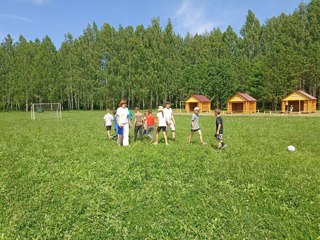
[199, 101]
[242, 103]
[300, 101]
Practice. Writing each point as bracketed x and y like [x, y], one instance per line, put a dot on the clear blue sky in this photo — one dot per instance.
[38, 18]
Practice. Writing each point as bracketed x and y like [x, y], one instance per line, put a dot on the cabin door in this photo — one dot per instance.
[192, 106]
[295, 105]
[237, 107]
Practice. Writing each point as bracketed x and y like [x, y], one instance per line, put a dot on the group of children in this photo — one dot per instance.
[145, 124]
[195, 127]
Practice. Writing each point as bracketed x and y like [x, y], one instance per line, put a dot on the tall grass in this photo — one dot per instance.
[62, 179]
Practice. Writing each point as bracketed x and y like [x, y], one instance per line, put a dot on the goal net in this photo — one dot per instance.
[46, 110]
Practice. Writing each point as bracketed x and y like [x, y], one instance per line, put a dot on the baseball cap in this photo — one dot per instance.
[196, 109]
[160, 108]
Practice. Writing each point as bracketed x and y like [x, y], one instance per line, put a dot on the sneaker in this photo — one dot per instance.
[167, 144]
[223, 146]
[203, 143]
[155, 143]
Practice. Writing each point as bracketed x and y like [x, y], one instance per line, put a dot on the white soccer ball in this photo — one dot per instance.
[291, 148]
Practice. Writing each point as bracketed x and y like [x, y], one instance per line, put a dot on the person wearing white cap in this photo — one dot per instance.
[195, 127]
[161, 125]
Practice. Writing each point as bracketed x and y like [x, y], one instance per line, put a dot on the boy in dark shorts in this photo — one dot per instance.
[161, 125]
[195, 127]
[138, 124]
[108, 118]
[219, 129]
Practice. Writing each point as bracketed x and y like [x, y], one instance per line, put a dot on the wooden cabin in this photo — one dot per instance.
[242, 103]
[301, 101]
[199, 101]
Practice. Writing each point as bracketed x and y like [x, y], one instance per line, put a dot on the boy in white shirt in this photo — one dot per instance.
[108, 118]
[171, 122]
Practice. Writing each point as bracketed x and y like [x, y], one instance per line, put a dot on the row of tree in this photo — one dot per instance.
[148, 66]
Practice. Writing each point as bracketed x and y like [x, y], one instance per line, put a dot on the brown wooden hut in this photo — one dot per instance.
[242, 103]
[300, 101]
[199, 101]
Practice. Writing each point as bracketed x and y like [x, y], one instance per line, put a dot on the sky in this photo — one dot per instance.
[55, 18]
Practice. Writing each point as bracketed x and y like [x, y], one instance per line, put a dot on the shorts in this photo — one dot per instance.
[159, 129]
[108, 128]
[195, 130]
[218, 137]
[120, 131]
[171, 126]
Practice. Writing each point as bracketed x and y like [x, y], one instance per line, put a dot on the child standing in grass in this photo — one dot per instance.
[145, 123]
[108, 118]
[150, 119]
[195, 127]
[219, 129]
[170, 119]
[161, 126]
[123, 123]
[138, 124]
[115, 125]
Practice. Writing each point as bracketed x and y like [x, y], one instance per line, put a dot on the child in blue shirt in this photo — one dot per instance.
[115, 125]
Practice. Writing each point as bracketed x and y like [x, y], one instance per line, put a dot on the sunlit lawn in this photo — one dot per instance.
[61, 179]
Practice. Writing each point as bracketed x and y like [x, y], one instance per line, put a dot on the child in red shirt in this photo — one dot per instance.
[150, 119]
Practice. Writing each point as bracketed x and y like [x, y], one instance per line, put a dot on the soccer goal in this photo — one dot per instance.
[46, 110]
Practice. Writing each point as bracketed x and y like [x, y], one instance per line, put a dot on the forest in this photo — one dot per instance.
[148, 65]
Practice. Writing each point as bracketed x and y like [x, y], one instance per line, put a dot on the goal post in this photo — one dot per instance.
[42, 108]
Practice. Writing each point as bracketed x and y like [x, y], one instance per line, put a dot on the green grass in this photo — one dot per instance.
[61, 179]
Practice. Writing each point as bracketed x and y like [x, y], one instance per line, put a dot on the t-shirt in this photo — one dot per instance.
[150, 120]
[108, 119]
[138, 117]
[168, 113]
[219, 121]
[123, 114]
[195, 120]
[130, 115]
[161, 120]
[115, 122]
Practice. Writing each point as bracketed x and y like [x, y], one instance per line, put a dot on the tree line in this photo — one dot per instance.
[149, 65]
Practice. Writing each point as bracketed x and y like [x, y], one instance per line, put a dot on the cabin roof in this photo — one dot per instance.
[201, 98]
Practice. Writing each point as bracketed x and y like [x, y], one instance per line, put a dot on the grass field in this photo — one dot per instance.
[61, 179]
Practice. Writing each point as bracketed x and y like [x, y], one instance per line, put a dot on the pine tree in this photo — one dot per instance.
[7, 73]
